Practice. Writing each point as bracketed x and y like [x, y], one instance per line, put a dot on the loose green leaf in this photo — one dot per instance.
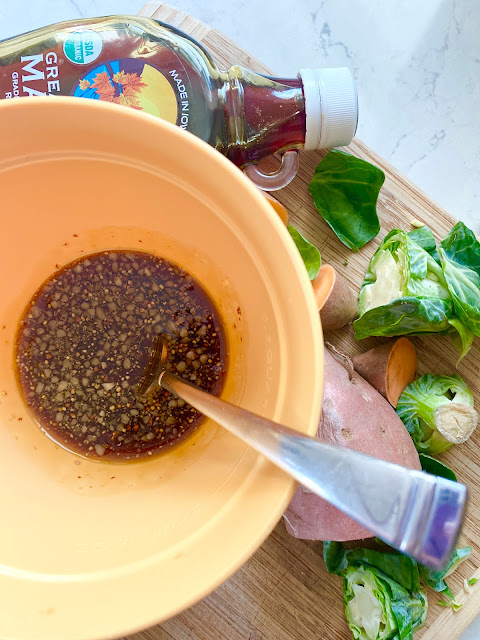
[424, 237]
[345, 191]
[464, 286]
[334, 557]
[396, 566]
[436, 580]
[437, 412]
[462, 246]
[310, 254]
[459, 253]
[472, 581]
[436, 468]
[393, 564]
[451, 604]
[461, 336]
[442, 603]
[410, 315]
[456, 560]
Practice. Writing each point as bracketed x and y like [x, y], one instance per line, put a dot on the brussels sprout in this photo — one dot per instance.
[437, 412]
[400, 267]
[382, 594]
[406, 292]
[378, 608]
[383, 598]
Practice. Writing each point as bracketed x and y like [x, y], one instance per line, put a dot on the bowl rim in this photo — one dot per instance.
[286, 244]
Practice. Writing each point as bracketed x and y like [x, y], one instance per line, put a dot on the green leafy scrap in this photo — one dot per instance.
[345, 191]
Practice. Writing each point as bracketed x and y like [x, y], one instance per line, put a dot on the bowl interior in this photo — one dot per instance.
[133, 544]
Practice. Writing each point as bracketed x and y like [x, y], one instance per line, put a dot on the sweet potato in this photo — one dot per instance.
[278, 207]
[389, 367]
[336, 301]
[356, 416]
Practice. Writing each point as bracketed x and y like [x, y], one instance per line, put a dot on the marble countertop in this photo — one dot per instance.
[417, 66]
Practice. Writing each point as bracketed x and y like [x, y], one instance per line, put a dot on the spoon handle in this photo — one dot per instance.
[415, 512]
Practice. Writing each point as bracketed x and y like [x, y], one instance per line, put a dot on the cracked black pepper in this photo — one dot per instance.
[86, 338]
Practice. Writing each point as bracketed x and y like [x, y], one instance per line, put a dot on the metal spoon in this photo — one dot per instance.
[415, 512]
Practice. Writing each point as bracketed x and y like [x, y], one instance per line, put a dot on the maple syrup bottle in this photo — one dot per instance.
[149, 66]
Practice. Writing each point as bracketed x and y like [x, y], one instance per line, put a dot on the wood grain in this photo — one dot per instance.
[283, 592]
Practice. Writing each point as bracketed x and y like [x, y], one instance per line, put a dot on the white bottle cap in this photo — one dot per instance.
[331, 107]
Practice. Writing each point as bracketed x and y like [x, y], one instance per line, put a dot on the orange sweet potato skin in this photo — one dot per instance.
[341, 306]
[356, 416]
[389, 367]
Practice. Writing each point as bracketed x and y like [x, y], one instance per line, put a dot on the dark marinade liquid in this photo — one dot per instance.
[86, 338]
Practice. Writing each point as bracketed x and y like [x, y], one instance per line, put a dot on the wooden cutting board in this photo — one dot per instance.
[284, 592]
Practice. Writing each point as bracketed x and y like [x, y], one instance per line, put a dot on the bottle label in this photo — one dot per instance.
[86, 63]
[132, 83]
[83, 47]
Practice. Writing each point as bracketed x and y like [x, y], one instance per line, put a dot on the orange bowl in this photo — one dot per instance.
[96, 550]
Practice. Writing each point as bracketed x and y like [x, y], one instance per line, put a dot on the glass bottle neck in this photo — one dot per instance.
[263, 115]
